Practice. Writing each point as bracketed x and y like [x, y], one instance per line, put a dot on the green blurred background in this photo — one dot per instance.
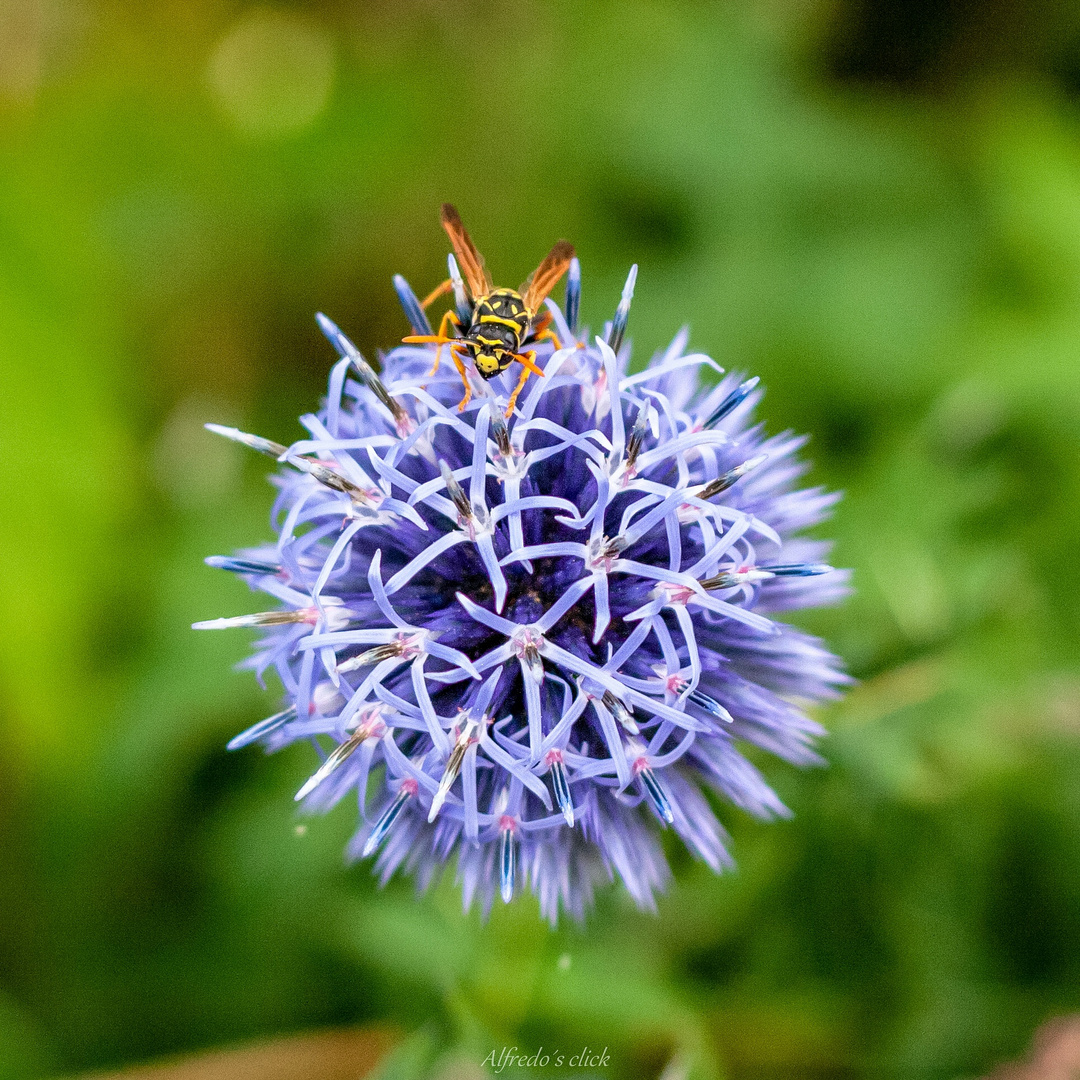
[873, 205]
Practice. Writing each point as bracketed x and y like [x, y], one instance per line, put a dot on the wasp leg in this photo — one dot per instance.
[547, 334]
[528, 367]
[455, 356]
[541, 330]
[440, 339]
[435, 293]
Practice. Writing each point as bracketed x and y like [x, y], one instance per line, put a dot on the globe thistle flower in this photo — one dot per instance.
[535, 642]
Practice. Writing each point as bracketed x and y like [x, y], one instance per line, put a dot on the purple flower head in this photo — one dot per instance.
[534, 642]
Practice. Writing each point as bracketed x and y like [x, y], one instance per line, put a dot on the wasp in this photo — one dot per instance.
[502, 321]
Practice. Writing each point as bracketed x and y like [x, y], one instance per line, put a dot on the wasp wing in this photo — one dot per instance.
[469, 259]
[546, 276]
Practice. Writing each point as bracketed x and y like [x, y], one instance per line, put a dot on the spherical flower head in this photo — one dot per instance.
[530, 643]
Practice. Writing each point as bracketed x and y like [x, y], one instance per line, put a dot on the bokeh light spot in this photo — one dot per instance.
[272, 73]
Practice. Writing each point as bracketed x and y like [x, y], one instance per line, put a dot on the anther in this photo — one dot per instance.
[461, 298]
[527, 643]
[731, 402]
[242, 566]
[408, 790]
[372, 728]
[722, 483]
[332, 479]
[621, 713]
[345, 348]
[622, 312]
[637, 437]
[335, 616]
[507, 857]
[413, 311]
[710, 705]
[654, 789]
[262, 728]
[405, 647]
[502, 434]
[742, 575]
[466, 737]
[560, 785]
[573, 294]
[456, 493]
[323, 473]
[256, 442]
[309, 615]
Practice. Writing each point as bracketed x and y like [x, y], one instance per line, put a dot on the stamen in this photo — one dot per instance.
[573, 294]
[743, 575]
[722, 483]
[465, 738]
[604, 550]
[654, 789]
[461, 298]
[242, 566]
[336, 617]
[256, 442]
[710, 705]
[622, 312]
[262, 729]
[373, 728]
[405, 646]
[731, 402]
[323, 473]
[368, 658]
[457, 494]
[334, 480]
[560, 785]
[502, 434]
[507, 858]
[621, 713]
[527, 643]
[308, 615]
[637, 436]
[386, 820]
[800, 569]
[413, 311]
[344, 348]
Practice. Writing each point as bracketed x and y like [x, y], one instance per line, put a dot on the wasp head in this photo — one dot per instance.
[490, 360]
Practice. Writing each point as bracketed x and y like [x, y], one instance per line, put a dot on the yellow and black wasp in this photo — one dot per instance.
[503, 321]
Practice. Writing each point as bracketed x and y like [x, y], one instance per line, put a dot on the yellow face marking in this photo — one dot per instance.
[488, 365]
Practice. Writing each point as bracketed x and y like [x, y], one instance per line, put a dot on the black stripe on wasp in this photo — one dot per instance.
[501, 322]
